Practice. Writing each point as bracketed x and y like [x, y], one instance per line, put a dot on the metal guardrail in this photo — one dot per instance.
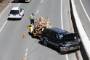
[84, 38]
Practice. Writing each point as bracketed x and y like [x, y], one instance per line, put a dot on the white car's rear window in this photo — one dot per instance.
[14, 12]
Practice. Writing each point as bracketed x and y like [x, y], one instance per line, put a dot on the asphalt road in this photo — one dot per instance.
[86, 5]
[16, 44]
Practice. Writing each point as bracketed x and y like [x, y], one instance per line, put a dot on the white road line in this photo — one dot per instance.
[41, 1]
[61, 16]
[26, 52]
[37, 12]
[3, 26]
[62, 25]
[84, 10]
[25, 55]
[67, 57]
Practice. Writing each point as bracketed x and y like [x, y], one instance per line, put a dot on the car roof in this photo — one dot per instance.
[58, 30]
[15, 8]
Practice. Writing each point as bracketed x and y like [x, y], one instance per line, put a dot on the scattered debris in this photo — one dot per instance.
[39, 25]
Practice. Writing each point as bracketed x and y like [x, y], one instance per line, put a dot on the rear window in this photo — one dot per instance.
[14, 12]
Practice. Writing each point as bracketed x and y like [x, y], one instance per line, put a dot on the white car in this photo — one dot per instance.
[16, 13]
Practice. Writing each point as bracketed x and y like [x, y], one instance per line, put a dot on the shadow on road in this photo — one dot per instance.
[10, 19]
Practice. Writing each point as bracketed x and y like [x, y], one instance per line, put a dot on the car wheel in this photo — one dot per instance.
[61, 51]
[44, 41]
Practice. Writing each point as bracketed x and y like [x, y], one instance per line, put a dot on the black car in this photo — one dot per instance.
[63, 40]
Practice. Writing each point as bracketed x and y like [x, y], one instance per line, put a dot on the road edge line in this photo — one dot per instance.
[3, 26]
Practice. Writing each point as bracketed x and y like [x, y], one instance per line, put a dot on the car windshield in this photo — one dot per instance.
[14, 12]
[70, 37]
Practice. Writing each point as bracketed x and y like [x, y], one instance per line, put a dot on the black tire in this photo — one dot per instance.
[44, 40]
[60, 51]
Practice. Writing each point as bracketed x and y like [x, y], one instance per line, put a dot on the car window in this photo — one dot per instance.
[69, 37]
[14, 12]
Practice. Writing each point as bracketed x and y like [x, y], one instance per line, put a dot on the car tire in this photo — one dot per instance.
[60, 51]
[44, 40]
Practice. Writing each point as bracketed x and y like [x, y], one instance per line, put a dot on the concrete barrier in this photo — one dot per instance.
[84, 38]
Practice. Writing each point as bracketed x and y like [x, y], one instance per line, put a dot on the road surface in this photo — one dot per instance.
[16, 44]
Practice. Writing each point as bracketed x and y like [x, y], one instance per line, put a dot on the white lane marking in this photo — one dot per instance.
[84, 10]
[67, 57]
[41, 1]
[61, 16]
[3, 26]
[62, 25]
[84, 38]
[26, 52]
[37, 12]
[25, 55]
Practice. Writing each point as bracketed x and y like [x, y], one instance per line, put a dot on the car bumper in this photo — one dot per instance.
[14, 17]
[67, 49]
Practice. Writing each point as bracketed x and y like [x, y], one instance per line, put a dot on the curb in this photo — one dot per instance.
[84, 38]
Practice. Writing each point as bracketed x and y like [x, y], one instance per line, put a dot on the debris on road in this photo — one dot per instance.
[39, 25]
